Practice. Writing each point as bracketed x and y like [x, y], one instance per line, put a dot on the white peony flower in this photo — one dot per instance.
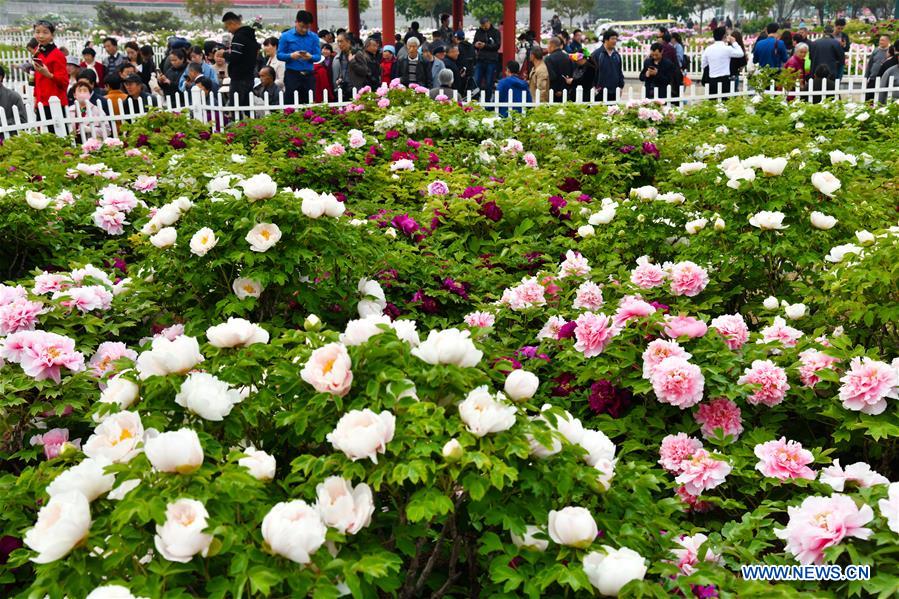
[452, 450]
[294, 530]
[839, 252]
[175, 451]
[767, 220]
[597, 447]
[244, 288]
[203, 241]
[647, 192]
[329, 370]
[610, 569]
[111, 591]
[889, 507]
[360, 331]
[166, 237]
[181, 537]
[236, 332]
[61, 525]
[864, 237]
[88, 478]
[449, 346]
[826, 183]
[695, 226]
[260, 464]
[263, 236]
[361, 434]
[485, 413]
[773, 167]
[603, 217]
[586, 231]
[572, 526]
[116, 439]
[343, 507]
[839, 157]
[795, 311]
[529, 539]
[37, 200]
[688, 168]
[259, 187]
[177, 356]
[822, 221]
[120, 391]
[771, 303]
[207, 396]
[521, 384]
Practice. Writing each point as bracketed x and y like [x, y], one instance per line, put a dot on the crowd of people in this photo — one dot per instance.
[303, 66]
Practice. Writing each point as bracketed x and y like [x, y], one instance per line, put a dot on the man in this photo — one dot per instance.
[193, 72]
[467, 56]
[10, 102]
[512, 88]
[413, 68]
[559, 66]
[446, 32]
[241, 56]
[198, 57]
[365, 68]
[444, 86]
[340, 67]
[716, 58]
[538, 78]
[828, 51]
[268, 85]
[577, 42]
[875, 61]
[845, 43]
[171, 77]
[487, 43]
[555, 23]
[414, 32]
[299, 49]
[439, 52]
[138, 101]
[770, 52]
[609, 75]
[657, 74]
[889, 76]
[452, 64]
[73, 67]
[89, 61]
[113, 59]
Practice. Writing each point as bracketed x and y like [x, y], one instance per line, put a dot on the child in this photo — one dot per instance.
[388, 60]
[90, 121]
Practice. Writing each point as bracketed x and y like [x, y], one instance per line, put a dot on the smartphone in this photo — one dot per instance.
[37, 60]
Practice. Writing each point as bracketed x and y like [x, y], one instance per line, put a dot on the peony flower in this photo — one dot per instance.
[529, 539]
[732, 328]
[838, 253]
[527, 294]
[822, 522]
[812, 361]
[771, 382]
[329, 370]
[360, 331]
[259, 187]
[684, 326]
[719, 417]
[438, 188]
[766, 220]
[689, 168]
[19, 315]
[593, 333]
[107, 353]
[586, 231]
[294, 530]
[702, 472]
[164, 357]
[373, 300]
[55, 441]
[145, 183]
[244, 288]
[361, 434]
[647, 192]
[695, 226]
[823, 221]
[889, 507]
[658, 350]
[521, 384]
[839, 157]
[783, 460]
[260, 464]
[62, 523]
[598, 447]
[677, 382]
[111, 591]
[236, 332]
[181, 537]
[551, 329]
[860, 473]
[864, 237]
[687, 553]
[631, 307]
[588, 296]
[572, 526]
[207, 396]
[37, 200]
[42, 354]
[343, 507]
[687, 278]
[779, 331]
[484, 320]
[648, 275]
[88, 478]
[795, 311]
[176, 451]
[166, 237]
[484, 413]
[263, 236]
[116, 439]
[452, 450]
[203, 241]
[574, 265]
[449, 346]
[826, 183]
[773, 167]
[611, 569]
[868, 384]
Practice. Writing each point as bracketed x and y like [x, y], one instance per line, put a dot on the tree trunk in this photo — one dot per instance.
[821, 14]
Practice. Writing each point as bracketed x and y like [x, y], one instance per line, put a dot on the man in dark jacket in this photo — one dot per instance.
[657, 74]
[446, 32]
[365, 67]
[413, 68]
[414, 32]
[827, 51]
[770, 52]
[559, 66]
[241, 56]
[845, 43]
[512, 88]
[467, 55]
[450, 62]
[487, 43]
[609, 74]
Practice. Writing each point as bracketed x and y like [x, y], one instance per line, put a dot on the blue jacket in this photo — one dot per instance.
[770, 52]
[609, 74]
[208, 72]
[514, 86]
[291, 42]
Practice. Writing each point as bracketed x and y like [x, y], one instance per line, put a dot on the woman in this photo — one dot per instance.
[270, 53]
[796, 63]
[90, 121]
[787, 38]
[51, 79]
[388, 62]
[737, 64]
[148, 64]
[583, 75]
[678, 43]
[132, 50]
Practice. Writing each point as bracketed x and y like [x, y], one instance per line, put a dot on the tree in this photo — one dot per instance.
[363, 5]
[678, 9]
[206, 10]
[757, 7]
[617, 10]
[492, 9]
[570, 8]
[784, 9]
[112, 17]
[424, 8]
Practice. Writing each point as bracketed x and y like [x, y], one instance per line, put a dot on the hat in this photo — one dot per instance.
[438, 48]
[132, 79]
[230, 16]
[576, 56]
[460, 35]
[72, 60]
[391, 49]
[485, 20]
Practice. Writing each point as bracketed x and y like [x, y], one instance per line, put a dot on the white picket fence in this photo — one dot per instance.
[217, 110]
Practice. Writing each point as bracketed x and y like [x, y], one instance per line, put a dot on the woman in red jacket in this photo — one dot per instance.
[322, 75]
[50, 76]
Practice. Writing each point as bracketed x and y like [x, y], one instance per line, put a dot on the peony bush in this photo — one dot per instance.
[408, 348]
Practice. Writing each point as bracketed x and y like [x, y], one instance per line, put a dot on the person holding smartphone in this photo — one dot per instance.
[299, 49]
[51, 79]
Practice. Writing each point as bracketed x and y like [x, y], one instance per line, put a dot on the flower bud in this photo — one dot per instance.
[312, 323]
[453, 450]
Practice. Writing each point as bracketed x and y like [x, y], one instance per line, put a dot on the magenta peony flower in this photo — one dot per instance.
[491, 211]
[570, 184]
[589, 168]
[702, 472]
[647, 275]
[659, 350]
[684, 326]
[460, 289]
[771, 380]
[868, 384]
[631, 307]
[822, 522]
[605, 398]
[405, 224]
[687, 278]
[733, 328]
[812, 361]
[593, 333]
[564, 385]
[678, 382]
[719, 417]
[650, 149]
[566, 330]
[783, 460]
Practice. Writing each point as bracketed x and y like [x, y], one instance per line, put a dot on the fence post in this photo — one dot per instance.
[58, 117]
[196, 104]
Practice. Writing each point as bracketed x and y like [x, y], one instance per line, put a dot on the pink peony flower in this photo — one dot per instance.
[647, 275]
[383, 102]
[702, 472]
[677, 382]
[86, 299]
[687, 278]
[780, 331]
[675, 449]
[589, 296]
[335, 149]
[867, 385]
[692, 500]
[771, 380]
[813, 360]
[733, 328]
[9, 294]
[53, 442]
[631, 307]
[593, 333]
[110, 219]
[687, 553]
[119, 198]
[684, 326]
[19, 315]
[822, 522]
[145, 183]
[329, 370]
[859, 473]
[91, 145]
[719, 415]
[657, 351]
[784, 460]
[574, 265]
[108, 352]
[438, 188]
[530, 160]
[551, 329]
[41, 354]
[484, 320]
[48, 283]
[527, 294]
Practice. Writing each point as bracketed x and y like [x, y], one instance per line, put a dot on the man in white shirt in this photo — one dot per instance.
[716, 58]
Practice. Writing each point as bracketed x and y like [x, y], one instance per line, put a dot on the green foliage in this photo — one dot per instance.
[207, 11]
[116, 18]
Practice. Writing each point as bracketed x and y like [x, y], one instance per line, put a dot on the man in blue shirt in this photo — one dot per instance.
[299, 49]
[770, 52]
[512, 88]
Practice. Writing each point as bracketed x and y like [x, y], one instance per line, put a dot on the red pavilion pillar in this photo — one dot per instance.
[458, 11]
[354, 22]
[388, 22]
[508, 33]
[312, 7]
[535, 18]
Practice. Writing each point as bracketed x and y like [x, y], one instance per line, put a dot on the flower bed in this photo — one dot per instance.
[412, 349]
